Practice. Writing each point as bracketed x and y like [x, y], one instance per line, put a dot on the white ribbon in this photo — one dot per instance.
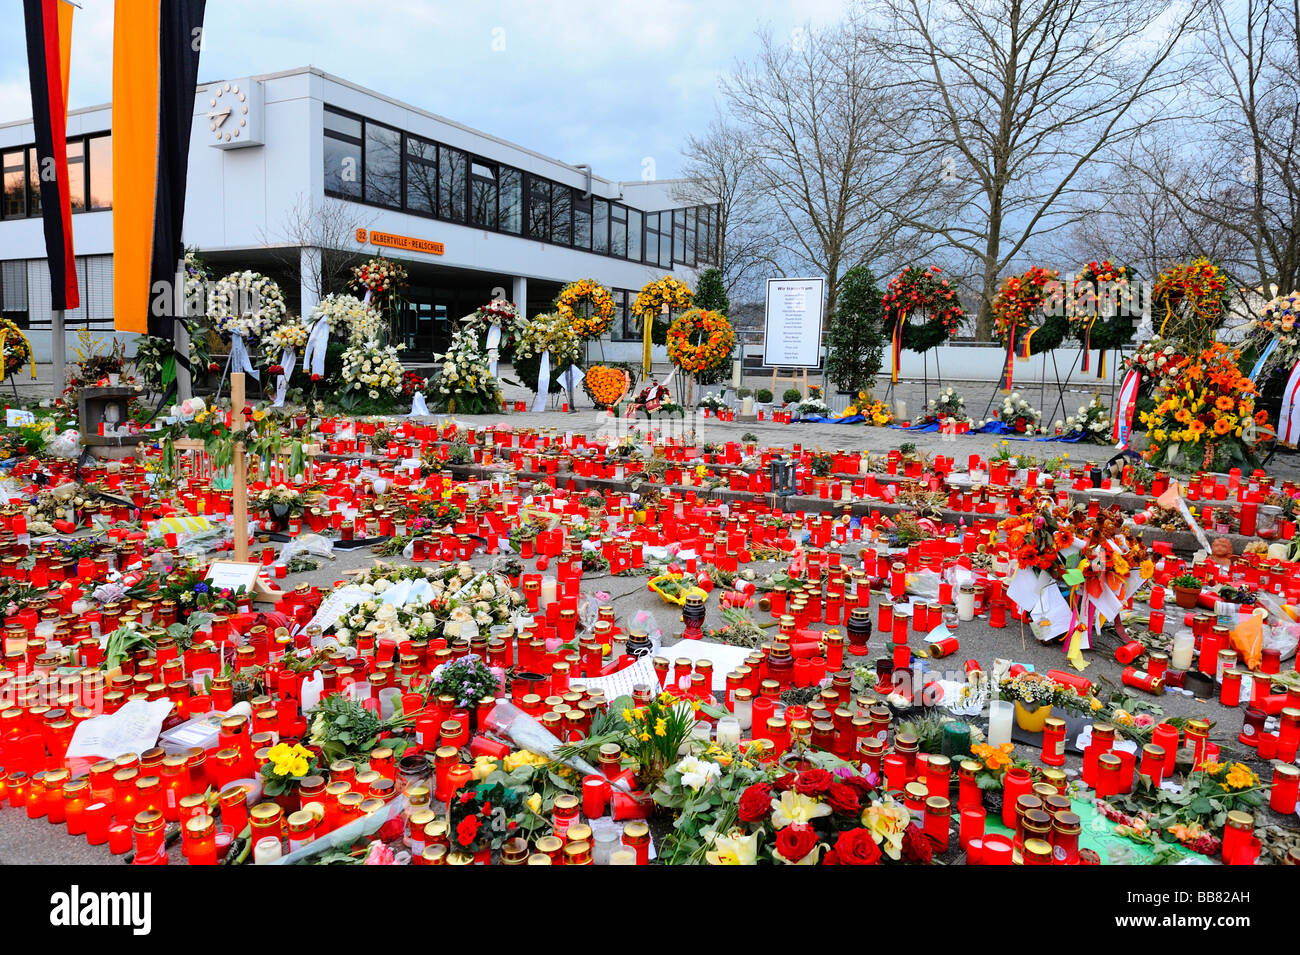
[239, 357]
[493, 343]
[1288, 430]
[571, 378]
[543, 381]
[289, 361]
[313, 356]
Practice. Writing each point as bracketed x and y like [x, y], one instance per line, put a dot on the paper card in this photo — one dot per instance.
[132, 729]
[1024, 589]
[621, 683]
[1055, 608]
[231, 574]
[16, 418]
[940, 632]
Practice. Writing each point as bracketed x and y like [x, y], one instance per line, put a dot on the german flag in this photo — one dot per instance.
[49, 46]
[156, 45]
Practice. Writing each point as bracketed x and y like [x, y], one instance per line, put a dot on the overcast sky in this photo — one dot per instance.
[607, 82]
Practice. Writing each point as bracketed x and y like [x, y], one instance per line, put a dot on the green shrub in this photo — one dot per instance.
[792, 396]
[763, 396]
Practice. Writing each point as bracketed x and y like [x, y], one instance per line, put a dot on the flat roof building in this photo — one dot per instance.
[297, 174]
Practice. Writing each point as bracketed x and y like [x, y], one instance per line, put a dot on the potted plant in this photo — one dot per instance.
[763, 396]
[286, 767]
[1187, 590]
[1034, 696]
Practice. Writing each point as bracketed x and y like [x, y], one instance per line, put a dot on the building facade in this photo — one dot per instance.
[298, 174]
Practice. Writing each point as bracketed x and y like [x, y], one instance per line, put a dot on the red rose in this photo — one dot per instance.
[813, 782]
[795, 841]
[784, 783]
[844, 799]
[831, 858]
[755, 803]
[467, 831]
[917, 846]
[856, 847]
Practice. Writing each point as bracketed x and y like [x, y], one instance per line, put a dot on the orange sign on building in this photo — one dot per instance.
[406, 242]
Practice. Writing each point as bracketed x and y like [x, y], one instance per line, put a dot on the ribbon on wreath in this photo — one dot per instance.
[896, 345]
[288, 361]
[1263, 357]
[1087, 346]
[1288, 427]
[1080, 638]
[493, 344]
[4, 354]
[543, 381]
[1018, 345]
[239, 356]
[313, 356]
[1124, 407]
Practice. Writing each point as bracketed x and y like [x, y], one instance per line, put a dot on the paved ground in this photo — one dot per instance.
[37, 842]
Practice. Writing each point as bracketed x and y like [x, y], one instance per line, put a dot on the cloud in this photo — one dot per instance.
[583, 81]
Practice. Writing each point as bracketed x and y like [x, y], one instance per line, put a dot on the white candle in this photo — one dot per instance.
[728, 733]
[266, 850]
[1000, 712]
[747, 405]
[1184, 643]
[623, 857]
[744, 710]
[548, 591]
[966, 602]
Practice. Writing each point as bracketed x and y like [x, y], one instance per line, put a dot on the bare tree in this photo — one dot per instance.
[1019, 96]
[814, 110]
[1245, 180]
[330, 227]
[721, 169]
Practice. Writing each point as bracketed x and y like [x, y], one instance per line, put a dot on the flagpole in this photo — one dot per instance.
[58, 339]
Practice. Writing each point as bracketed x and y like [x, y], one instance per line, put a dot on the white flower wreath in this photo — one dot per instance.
[246, 304]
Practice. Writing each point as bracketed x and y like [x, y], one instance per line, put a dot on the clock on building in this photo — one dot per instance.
[235, 113]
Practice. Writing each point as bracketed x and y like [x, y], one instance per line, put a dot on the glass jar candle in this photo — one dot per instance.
[636, 836]
[1054, 741]
[201, 840]
[938, 817]
[858, 630]
[1286, 783]
[149, 830]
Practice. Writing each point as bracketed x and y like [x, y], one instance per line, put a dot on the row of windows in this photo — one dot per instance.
[368, 162]
[90, 177]
[25, 293]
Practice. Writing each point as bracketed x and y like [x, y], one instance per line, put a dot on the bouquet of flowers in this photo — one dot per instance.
[547, 332]
[1032, 690]
[501, 314]
[290, 334]
[1037, 539]
[949, 405]
[713, 401]
[372, 368]
[1092, 419]
[1157, 360]
[459, 603]
[412, 383]
[1018, 414]
[1277, 323]
[379, 276]
[280, 502]
[1205, 413]
[464, 383]
[246, 304]
[605, 386]
[349, 315]
[468, 679]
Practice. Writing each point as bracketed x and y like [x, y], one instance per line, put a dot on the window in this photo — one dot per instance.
[634, 226]
[511, 199]
[539, 208]
[342, 156]
[483, 195]
[452, 169]
[13, 291]
[421, 175]
[33, 182]
[679, 235]
[659, 239]
[621, 330]
[581, 222]
[618, 230]
[600, 225]
[15, 184]
[77, 174]
[690, 237]
[652, 238]
[100, 154]
[383, 166]
[561, 214]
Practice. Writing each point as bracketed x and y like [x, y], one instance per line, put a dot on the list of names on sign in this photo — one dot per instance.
[793, 327]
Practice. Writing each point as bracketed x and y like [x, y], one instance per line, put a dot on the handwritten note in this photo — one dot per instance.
[621, 683]
[132, 729]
